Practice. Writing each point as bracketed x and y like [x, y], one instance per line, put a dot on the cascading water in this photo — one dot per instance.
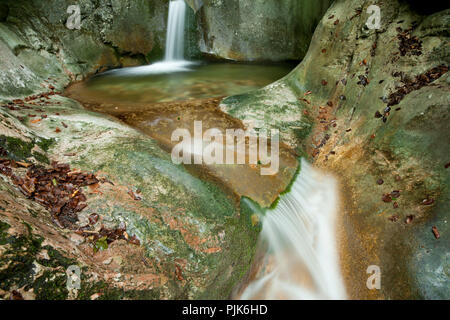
[174, 54]
[175, 31]
[298, 236]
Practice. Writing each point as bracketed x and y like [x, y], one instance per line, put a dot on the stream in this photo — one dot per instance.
[297, 254]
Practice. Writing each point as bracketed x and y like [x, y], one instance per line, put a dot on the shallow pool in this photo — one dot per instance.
[197, 81]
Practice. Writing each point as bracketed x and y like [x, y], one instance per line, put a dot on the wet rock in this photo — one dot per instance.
[4, 11]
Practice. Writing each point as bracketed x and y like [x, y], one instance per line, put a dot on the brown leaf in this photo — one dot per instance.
[428, 201]
[24, 164]
[436, 232]
[178, 272]
[387, 198]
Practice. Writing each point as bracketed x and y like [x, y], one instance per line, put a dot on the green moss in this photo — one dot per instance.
[19, 150]
[156, 54]
[108, 292]
[16, 263]
[50, 286]
[3, 235]
[45, 144]
[56, 259]
[235, 262]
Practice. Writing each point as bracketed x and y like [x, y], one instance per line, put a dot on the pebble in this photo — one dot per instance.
[107, 261]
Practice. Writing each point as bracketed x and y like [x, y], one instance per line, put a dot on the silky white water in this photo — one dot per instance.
[174, 53]
[301, 260]
[175, 31]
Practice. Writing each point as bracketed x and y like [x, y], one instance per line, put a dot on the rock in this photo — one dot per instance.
[76, 238]
[195, 4]
[182, 215]
[247, 30]
[118, 260]
[95, 296]
[107, 261]
[4, 11]
[126, 33]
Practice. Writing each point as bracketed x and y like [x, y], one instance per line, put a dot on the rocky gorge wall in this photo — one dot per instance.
[258, 30]
[35, 43]
[372, 106]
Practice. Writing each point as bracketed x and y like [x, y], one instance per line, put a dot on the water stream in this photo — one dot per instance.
[175, 31]
[298, 241]
[297, 246]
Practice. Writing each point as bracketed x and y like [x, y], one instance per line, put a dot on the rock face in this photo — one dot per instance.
[258, 30]
[35, 42]
[332, 106]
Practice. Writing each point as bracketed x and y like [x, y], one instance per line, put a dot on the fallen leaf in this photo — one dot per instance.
[387, 198]
[24, 164]
[436, 232]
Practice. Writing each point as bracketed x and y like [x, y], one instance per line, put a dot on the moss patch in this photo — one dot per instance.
[20, 150]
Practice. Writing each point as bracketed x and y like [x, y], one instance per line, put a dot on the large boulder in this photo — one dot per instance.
[195, 239]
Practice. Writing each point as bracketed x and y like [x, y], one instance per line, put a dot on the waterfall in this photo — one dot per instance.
[298, 237]
[174, 55]
[175, 31]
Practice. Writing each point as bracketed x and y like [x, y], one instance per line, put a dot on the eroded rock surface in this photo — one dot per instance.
[243, 30]
[194, 240]
[335, 105]
[36, 44]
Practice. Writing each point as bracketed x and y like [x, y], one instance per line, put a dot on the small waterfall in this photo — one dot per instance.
[175, 31]
[174, 55]
[298, 237]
